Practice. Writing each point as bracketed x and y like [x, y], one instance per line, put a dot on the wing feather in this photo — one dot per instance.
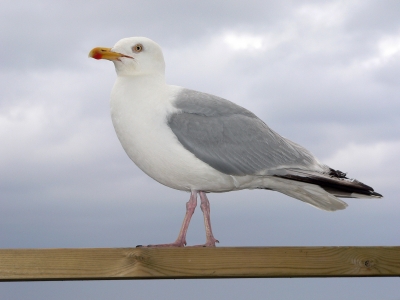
[233, 140]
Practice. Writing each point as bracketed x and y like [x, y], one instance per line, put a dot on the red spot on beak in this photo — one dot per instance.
[97, 55]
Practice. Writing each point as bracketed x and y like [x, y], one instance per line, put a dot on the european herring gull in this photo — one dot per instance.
[200, 143]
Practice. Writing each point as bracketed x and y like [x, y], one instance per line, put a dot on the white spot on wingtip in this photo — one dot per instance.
[235, 182]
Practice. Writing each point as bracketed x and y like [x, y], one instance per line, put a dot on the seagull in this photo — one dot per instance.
[200, 143]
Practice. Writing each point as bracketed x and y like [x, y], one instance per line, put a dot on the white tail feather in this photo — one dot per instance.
[309, 193]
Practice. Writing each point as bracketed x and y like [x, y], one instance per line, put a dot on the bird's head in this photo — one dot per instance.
[133, 56]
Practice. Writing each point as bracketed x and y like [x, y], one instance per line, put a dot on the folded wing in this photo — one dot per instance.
[234, 141]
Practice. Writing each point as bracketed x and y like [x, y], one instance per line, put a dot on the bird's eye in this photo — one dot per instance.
[137, 48]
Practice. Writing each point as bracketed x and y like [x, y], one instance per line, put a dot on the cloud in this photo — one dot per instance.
[323, 73]
[302, 74]
[379, 160]
[243, 42]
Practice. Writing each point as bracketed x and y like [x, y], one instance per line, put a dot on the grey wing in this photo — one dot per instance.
[233, 140]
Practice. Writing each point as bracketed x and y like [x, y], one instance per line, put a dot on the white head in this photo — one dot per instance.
[133, 56]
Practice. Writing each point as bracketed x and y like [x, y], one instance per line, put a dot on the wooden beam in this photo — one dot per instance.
[175, 263]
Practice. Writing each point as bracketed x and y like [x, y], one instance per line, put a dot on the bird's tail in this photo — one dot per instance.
[321, 190]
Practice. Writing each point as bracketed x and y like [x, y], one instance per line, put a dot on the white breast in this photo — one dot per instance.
[139, 110]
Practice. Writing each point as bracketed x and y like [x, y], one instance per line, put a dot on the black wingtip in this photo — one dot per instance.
[375, 194]
[369, 191]
[335, 182]
[337, 173]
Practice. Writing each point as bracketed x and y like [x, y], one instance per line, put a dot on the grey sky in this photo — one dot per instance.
[325, 74]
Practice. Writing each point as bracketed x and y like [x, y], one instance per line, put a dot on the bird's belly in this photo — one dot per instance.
[154, 148]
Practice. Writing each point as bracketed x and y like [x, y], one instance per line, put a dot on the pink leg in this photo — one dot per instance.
[181, 240]
[205, 208]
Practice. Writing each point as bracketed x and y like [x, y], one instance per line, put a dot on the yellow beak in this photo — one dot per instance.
[106, 53]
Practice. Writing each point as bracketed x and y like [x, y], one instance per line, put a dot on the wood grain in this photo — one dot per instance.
[174, 263]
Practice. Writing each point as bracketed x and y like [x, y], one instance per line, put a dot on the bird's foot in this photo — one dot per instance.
[209, 243]
[174, 244]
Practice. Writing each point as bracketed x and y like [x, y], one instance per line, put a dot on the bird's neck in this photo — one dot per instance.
[143, 79]
[138, 91]
[140, 85]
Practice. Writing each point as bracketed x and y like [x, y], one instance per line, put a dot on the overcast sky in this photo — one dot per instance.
[325, 74]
